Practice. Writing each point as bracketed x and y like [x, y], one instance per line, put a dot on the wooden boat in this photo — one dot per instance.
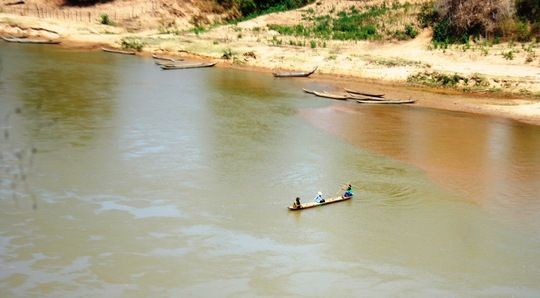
[308, 91]
[109, 50]
[29, 40]
[166, 62]
[315, 204]
[165, 59]
[330, 95]
[363, 93]
[391, 101]
[363, 97]
[187, 65]
[295, 74]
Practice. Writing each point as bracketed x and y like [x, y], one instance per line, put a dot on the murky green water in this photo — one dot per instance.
[122, 180]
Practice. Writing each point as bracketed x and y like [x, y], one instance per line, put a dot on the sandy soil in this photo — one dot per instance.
[254, 47]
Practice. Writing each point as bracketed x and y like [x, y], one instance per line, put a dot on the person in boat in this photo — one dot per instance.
[319, 199]
[348, 191]
[296, 204]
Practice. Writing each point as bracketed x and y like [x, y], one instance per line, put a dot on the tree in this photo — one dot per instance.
[528, 10]
[474, 16]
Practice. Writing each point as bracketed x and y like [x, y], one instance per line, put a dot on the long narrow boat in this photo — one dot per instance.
[314, 204]
[167, 62]
[29, 40]
[187, 65]
[330, 95]
[365, 98]
[165, 59]
[109, 50]
[295, 74]
[363, 93]
[308, 91]
[392, 101]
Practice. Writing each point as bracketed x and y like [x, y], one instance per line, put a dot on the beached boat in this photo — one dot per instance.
[163, 59]
[389, 101]
[315, 204]
[295, 74]
[109, 50]
[330, 95]
[308, 91]
[29, 40]
[363, 93]
[363, 97]
[167, 62]
[187, 65]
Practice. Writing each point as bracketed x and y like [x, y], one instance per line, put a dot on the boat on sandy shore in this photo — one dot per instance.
[363, 93]
[164, 59]
[29, 40]
[187, 65]
[388, 101]
[116, 51]
[315, 204]
[331, 95]
[364, 97]
[295, 74]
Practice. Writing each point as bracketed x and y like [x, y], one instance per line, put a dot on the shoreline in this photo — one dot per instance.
[337, 70]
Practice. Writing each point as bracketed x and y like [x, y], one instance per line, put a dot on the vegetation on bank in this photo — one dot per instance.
[374, 22]
[457, 22]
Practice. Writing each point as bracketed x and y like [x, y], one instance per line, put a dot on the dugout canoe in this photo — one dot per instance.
[330, 95]
[166, 59]
[115, 51]
[295, 74]
[29, 40]
[187, 65]
[363, 93]
[364, 97]
[314, 204]
[386, 101]
[169, 63]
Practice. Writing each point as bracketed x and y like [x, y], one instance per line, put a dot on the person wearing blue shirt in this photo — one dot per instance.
[319, 199]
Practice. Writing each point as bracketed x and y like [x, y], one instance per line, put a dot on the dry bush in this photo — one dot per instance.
[475, 16]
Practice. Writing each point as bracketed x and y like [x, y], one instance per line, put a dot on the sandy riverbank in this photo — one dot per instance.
[341, 64]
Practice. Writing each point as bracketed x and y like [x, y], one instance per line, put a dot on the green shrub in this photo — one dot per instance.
[105, 20]
[132, 44]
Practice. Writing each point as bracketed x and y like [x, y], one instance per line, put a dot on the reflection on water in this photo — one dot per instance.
[492, 162]
[175, 184]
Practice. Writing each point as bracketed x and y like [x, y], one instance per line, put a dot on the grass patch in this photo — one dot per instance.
[382, 22]
[132, 43]
[473, 82]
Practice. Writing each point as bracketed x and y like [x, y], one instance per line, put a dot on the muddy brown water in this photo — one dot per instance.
[120, 179]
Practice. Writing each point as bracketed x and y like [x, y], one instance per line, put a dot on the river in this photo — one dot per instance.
[119, 179]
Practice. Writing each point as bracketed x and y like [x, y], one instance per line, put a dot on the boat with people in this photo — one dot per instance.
[320, 201]
[315, 204]
[295, 74]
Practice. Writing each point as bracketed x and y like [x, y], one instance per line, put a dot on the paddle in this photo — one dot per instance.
[343, 187]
